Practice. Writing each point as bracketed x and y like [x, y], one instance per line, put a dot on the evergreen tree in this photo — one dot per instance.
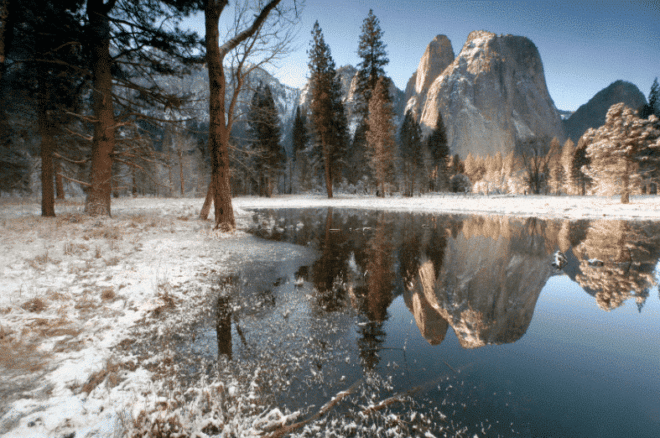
[381, 135]
[47, 70]
[327, 110]
[299, 144]
[653, 105]
[567, 153]
[580, 161]
[438, 148]
[410, 152]
[264, 129]
[371, 50]
[616, 149]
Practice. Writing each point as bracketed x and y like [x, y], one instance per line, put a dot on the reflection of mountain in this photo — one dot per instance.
[491, 276]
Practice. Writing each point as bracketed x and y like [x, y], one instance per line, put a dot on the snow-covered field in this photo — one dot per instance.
[75, 291]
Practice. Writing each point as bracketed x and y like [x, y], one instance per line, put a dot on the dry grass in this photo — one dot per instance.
[35, 305]
[111, 232]
[71, 248]
[108, 294]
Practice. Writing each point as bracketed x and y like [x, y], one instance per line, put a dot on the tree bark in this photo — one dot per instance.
[98, 195]
[328, 172]
[218, 135]
[47, 147]
[219, 127]
[59, 183]
[625, 182]
[181, 171]
[4, 16]
[208, 201]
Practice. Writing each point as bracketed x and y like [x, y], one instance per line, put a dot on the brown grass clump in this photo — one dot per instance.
[108, 294]
[109, 372]
[35, 305]
[110, 232]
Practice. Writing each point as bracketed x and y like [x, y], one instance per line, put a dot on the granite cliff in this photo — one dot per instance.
[492, 97]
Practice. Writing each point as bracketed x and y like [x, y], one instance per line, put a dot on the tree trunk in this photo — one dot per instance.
[625, 183]
[59, 183]
[4, 16]
[218, 131]
[328, 174]
[98, 195]
[47, 146]
[208, 201]
[181, 171]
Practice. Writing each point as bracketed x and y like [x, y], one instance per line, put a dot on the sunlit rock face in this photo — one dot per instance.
[491, 278]
[492, 97]
[592, 114]
[438, 55]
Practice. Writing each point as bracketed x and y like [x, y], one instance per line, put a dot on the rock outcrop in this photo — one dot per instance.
[492, 97]
[592, 114]
[438, 55]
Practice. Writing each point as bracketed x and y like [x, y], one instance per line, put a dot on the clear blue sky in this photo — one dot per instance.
[584, 45]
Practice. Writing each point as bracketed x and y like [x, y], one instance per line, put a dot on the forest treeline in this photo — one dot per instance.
[109, 98]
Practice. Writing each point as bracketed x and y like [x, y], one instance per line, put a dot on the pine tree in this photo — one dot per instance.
[48, 68]
[616, 149]
[580, 161]
[371, 50]
[410, 152]
[299, 144]
[380, 135]
[263, 127]
[653, 105]
[327, 110]
[567, 153]
[438, 148]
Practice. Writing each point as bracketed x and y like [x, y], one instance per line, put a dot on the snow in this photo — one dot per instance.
[72, 288]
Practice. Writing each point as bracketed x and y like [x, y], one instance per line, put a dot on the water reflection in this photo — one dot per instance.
[481, 276]
[223, 326]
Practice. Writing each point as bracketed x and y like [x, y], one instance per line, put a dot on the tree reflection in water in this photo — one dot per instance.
[480, 275]
[223, 326]
[617, 261]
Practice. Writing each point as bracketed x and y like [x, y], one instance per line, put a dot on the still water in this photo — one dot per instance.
[486, 326]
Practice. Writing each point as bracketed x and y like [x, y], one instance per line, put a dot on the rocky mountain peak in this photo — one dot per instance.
[492, 97]
[438, 55]
[592, 114]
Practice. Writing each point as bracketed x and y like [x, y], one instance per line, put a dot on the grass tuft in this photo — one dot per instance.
[35, 305]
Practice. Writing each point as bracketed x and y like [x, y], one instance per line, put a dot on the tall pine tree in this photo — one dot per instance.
[264, 130]
[653, 105]
[327, 110]
[438, 148]
[299, 144]
[381, 135]
[371, 49]
[410, 152]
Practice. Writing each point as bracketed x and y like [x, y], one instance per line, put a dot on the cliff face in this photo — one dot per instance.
[491, 277]
[492, 96]
[592, 114]
[438, 55]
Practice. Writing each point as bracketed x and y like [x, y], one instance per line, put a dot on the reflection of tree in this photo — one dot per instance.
[377, 294]
[409, 249]
[223, 326]
[627, 264]
[330, 270]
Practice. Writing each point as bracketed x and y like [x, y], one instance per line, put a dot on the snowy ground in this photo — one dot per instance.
[75, 293]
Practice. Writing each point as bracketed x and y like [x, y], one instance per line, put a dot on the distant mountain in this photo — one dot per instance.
[492, 96]
[565, 114]
[592, 114]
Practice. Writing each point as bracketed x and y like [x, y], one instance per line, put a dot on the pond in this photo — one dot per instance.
[467, 325]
